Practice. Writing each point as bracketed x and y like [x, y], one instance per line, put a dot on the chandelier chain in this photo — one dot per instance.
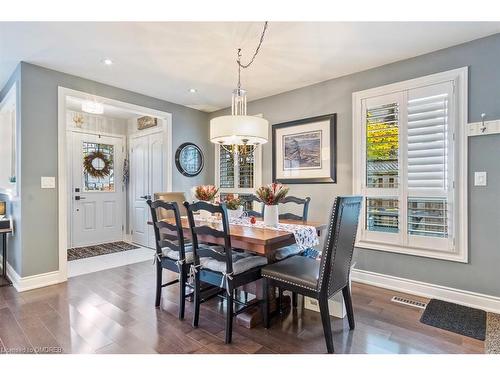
[244, 66]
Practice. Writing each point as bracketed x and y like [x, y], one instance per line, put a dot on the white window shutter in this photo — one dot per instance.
[428, 137]
[429, 171]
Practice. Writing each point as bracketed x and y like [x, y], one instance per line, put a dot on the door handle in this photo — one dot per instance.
[145, 197]
[77, 198]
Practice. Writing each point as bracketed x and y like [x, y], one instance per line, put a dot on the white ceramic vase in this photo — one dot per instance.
[271, 216]
[235, 214]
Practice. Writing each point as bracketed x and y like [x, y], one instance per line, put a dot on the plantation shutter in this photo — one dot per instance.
[245, 166]
[429, 152]
[226, 168]
[428, 137]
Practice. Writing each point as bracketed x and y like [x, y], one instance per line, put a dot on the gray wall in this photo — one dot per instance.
[39, 154]
[14, 203]
[482, 57]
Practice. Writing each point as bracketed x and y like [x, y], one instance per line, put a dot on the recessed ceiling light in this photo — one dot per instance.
[107, 61]
[192, 91]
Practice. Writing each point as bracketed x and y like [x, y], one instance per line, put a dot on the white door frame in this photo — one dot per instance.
[62, 169]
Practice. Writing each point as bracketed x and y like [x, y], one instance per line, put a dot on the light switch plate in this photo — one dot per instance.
[48, 182]
[480, 179]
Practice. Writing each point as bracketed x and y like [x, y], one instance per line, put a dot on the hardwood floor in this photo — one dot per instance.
[112, 311]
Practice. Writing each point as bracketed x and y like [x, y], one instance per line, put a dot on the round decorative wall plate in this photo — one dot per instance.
[189, 159]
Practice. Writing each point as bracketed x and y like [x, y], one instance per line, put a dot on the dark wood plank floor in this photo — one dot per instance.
[112, 312]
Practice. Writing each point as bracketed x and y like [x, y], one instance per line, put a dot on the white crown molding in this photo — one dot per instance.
[422, 289]
[32, 282]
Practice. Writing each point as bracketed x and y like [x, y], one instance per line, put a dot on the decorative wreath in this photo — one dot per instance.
[97, 173]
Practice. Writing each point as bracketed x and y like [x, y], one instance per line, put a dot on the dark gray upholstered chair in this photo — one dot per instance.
[172, 253]
[321, 279]
[220, 266]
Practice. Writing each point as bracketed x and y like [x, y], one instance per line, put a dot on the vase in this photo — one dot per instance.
[235, 214]
[271, 214]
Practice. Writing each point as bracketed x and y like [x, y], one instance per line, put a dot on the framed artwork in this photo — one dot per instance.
[189, 159]
[305, 151]
[146, 122]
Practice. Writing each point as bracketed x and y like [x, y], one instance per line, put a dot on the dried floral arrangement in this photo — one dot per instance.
[272, 194]
[205, 192]
[232, 201]
[94, 172]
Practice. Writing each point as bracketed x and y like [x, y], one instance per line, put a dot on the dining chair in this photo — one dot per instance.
[175, 196]
[219, 265]
[172, 252]
[321, 279]
[291, 250]
[249, 199]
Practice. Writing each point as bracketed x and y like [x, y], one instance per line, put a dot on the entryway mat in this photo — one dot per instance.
[101, 249]
[463, 320]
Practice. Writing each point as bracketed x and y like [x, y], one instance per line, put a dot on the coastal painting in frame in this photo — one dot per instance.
[304, 151]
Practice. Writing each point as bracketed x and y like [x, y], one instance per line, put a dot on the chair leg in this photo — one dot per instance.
[229, 317]
[265, 302]
[294, 300]
[245, 295]
[346, 292]
[159, 274]
[280, 301]
[182, 293]
[197, 298]
[325, 319]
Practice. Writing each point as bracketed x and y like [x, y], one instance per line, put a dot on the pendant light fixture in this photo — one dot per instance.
[240, 132]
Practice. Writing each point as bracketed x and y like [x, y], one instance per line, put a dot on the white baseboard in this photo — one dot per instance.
[32, 282]
[419, 288]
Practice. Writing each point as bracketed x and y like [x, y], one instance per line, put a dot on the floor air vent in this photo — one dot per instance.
[409, 302]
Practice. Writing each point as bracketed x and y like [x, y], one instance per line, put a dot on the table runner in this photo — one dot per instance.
[306, 236]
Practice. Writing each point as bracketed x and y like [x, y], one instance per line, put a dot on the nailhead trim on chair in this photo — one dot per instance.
[289, 282]
[334, 212]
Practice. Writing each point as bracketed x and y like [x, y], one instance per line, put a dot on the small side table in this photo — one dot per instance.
[3, 233]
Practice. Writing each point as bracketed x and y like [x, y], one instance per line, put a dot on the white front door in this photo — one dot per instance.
[147, 176]
[97, 189]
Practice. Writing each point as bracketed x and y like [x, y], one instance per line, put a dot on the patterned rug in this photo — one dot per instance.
[93, 251]
[492, 344]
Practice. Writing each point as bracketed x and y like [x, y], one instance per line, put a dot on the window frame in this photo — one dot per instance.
[257, 173]
[458, 163]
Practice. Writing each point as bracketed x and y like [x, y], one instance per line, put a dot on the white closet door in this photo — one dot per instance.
[147, 167]
[139, 176]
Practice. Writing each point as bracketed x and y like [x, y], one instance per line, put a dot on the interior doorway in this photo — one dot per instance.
[114, 155]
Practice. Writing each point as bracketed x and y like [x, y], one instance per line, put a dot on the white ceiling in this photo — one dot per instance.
[166, 59]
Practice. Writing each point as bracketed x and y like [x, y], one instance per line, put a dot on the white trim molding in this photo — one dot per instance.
[23, 284]
[422, 289]
[63, 192]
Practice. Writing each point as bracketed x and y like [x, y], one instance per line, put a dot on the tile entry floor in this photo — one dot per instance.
[107, 261]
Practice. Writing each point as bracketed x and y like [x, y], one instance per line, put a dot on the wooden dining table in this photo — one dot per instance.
[261, 241]
[258, 240]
